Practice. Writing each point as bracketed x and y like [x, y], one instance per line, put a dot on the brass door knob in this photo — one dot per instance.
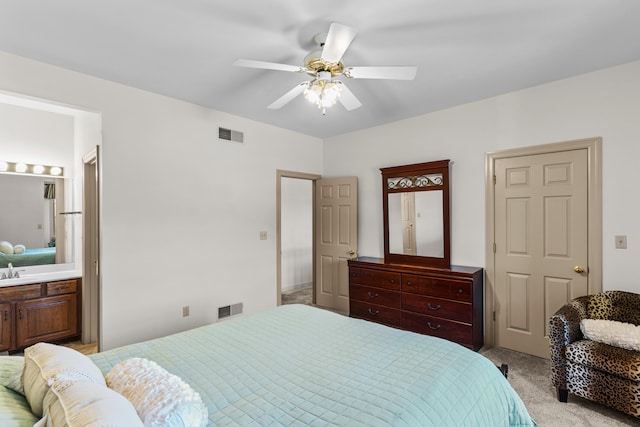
[578, 269]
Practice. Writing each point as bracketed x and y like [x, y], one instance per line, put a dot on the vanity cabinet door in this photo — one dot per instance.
[46, 319]
[5, 326]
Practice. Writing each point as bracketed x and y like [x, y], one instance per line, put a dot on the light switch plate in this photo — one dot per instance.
[621, 242]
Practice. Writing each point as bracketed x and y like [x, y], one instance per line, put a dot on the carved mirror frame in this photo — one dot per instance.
[430, 176]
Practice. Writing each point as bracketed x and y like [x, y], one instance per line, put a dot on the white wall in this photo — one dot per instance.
[296, 217]
[50, 142]
[181, 211]
[604, 103]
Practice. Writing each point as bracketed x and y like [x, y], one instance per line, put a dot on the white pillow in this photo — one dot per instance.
[617, 334]
[19, 249]
[86, 404]
[160, 398]
[45, 362]
[6, 247]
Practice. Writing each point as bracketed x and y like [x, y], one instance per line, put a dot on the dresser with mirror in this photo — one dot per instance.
[414, 287]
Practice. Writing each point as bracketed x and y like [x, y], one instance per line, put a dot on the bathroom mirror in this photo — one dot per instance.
[416, 214]
[31, 216]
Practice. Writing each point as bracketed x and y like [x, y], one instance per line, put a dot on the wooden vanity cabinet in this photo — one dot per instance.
[39, 312]
[5, 326]
[446, 303]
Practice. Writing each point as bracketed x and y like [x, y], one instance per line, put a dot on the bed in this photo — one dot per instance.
[298, 365]
[35, 256]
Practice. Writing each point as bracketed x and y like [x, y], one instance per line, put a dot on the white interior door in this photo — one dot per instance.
[541, 244]
[336, 239]
[91, 250]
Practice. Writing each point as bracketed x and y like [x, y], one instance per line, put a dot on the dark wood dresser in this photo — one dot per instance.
[446, 303]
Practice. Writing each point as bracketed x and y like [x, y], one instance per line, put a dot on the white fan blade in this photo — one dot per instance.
[249, 63]
[348, 99]
[391, 73]
[287, 97]
[338, 40]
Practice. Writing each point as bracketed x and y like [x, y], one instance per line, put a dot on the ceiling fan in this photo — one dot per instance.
[325, 65]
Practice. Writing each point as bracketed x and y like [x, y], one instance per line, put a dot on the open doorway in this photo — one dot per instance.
[296, 213]
[295, 244]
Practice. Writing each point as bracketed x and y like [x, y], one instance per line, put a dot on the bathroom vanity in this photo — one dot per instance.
[34, 312]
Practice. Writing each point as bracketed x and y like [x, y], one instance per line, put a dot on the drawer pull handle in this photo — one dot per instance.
[373, 312]
[435, 328]
[353, 275]
[392, 281]
[6, 315]
[20, 313]
[460, 291]
[409, 284]
[373, 295]
[437, 307]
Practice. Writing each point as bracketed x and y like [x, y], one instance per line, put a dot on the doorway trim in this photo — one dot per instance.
[594, 213]
[299, 175]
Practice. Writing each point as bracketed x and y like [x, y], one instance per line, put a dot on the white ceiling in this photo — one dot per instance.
[465, 50]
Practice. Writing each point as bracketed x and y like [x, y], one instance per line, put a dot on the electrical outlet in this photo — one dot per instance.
[621, 242]
[185, 311]
[263, 235]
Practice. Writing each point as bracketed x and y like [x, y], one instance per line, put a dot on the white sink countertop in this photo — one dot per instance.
[38, 275]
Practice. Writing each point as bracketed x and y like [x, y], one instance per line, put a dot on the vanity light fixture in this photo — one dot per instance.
[29, 169]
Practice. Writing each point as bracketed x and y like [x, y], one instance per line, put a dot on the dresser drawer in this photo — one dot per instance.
[462, 291]
[461, 333]
[375, 313]
[62, 287]
[447, 309]
[426, 285]
[20, 292]
[373, 295]
[377, 278]
[444, 288]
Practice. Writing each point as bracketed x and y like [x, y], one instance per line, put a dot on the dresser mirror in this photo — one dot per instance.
[415, 202]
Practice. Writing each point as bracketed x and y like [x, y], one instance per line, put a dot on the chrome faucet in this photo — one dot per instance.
[13, 274]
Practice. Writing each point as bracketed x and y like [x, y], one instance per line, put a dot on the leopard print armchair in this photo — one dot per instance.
[589, 369]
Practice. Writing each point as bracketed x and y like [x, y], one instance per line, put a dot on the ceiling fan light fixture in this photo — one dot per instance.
[323, 93]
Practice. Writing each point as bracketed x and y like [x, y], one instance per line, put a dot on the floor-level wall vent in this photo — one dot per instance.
[230, 135]
[229, 310]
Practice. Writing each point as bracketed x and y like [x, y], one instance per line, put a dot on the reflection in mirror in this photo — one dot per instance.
[415, 205]
[28, 221]
[415, 223]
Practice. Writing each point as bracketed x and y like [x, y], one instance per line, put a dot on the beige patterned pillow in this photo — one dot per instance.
[43, 363]
[82, 403]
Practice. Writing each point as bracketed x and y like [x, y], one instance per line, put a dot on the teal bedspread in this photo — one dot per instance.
[36, 256]
[301, 366]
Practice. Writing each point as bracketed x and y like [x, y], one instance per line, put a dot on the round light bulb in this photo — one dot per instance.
[38, 169]
[55, 170]
[21, 167]
[4, 166]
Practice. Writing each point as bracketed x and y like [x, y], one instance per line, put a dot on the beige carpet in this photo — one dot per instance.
[531, 378]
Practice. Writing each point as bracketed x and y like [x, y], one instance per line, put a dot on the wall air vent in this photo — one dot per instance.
[229, 310]
[230, 135]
